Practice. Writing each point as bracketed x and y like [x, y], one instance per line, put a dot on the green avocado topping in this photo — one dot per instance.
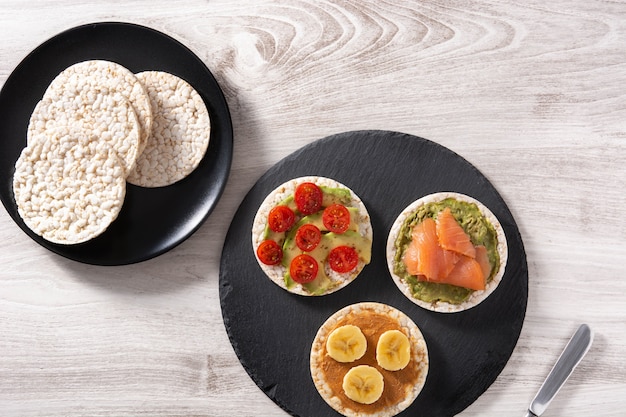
[480, 231]
[329, 240]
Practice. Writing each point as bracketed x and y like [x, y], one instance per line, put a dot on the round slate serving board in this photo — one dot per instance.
[271, 330]
[152, 220]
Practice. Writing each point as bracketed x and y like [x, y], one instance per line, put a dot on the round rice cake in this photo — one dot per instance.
[89, 82]
[108, 115]
[68, 188]
[260, 230]
[401, 387]
[180, 132]
[429, 206]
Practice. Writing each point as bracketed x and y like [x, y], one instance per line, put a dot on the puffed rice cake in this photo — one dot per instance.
[108, 114]
[180, 132]
[90, 84]
[69, 187]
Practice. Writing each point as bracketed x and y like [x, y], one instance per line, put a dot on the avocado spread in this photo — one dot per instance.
[480, 231]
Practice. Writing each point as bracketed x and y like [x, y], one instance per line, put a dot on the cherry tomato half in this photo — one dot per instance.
[308, 236]
[281, 218]
[303, 268]
[269, 252]
[308, 197]
[336, 218]
[343, 259]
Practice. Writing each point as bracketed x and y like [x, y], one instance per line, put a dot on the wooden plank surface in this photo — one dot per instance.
[531, 93]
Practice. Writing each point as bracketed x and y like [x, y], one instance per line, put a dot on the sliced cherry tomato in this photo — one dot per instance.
[303, 268]
[308, 236]
[269, 252]
[308, 197]
[281, 218]
[343, 259]
[336, 218]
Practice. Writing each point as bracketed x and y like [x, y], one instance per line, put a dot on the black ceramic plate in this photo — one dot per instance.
[271, 329]
[152, 221]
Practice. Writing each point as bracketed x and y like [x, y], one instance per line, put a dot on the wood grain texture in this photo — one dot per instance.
[531, 93]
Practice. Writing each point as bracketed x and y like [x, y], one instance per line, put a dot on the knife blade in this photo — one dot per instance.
[571, 356]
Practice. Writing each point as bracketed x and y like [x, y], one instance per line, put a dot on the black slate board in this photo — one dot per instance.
[152, 220]
[271, 329]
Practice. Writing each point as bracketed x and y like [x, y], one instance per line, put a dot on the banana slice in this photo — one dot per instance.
[393, 351]
[346, 343]
[363, 384]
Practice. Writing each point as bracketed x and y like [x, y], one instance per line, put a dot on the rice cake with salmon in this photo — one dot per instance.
[312, 235]
[446, 252]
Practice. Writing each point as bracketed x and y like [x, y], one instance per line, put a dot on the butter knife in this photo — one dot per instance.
[571, 356]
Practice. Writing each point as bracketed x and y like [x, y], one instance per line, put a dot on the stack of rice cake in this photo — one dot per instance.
[97, 127]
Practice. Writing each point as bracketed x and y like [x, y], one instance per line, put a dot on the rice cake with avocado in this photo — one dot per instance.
[481, 226]
[341, 251]
[399, 388]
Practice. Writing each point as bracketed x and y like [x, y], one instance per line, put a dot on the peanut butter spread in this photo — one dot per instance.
[397, 384]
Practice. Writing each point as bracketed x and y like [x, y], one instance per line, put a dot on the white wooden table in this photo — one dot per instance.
[533, 94]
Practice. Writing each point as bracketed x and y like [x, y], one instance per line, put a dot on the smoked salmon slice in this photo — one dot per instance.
[467, 273]
[411, 258]
[424, 256]
[452, 236]
[483, 260]
[440, 251]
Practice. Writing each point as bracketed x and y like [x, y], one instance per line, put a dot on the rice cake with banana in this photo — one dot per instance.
[312, 236]
[369, 359]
